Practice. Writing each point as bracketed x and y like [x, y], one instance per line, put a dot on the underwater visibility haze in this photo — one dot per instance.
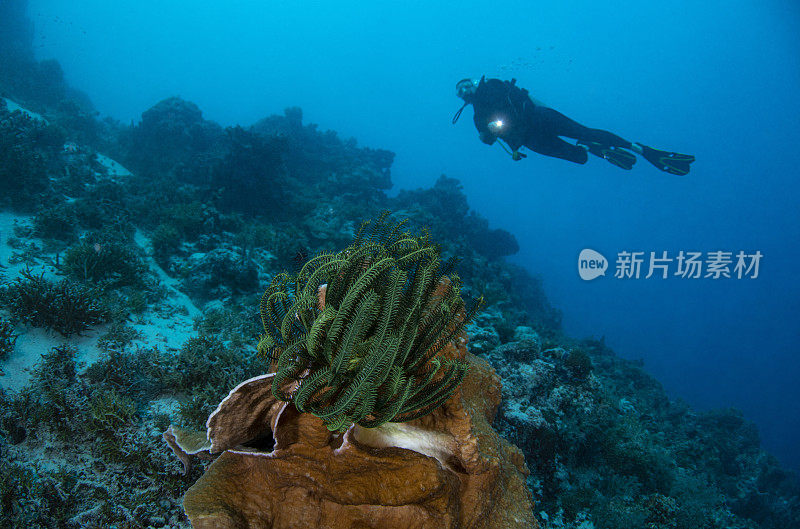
[178, 219]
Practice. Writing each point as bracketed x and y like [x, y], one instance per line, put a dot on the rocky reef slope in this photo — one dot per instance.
[131, 262]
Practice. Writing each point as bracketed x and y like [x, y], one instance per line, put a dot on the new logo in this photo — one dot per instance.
[591, 264]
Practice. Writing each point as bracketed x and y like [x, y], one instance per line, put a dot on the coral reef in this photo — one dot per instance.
[81, 413]
[208, 368]
[218, 274]
[24, 77]
[97, 438]
[56, 222]
[322, 158]
[23, 159]
[172, 138]
[446, 203]
[109, 263]
[606, 445]
[7, 338]
[63, 306]
[248, 174]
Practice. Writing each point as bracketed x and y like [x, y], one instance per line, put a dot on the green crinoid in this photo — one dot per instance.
[361, 332]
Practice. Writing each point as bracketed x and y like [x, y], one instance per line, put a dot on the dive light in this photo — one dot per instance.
[495, 126]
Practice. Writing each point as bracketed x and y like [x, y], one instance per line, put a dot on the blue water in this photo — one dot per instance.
[719, 80]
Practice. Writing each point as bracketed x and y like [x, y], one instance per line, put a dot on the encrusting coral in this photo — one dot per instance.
[442, 467]
[282, 469]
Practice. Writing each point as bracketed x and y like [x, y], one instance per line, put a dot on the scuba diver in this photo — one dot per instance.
[503, 111]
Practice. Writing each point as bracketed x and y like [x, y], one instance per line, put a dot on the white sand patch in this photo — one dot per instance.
[7, 220]
[167, 405]
[169, 333]
[168, 326]
[10, 271]
[34, 342]
[12, 106]
[173, 329]
[113, 167]
[169, 282]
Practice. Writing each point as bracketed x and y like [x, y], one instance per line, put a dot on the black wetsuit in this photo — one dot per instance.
[535, 126]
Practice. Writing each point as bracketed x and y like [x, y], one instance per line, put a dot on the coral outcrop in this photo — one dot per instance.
[366, 336]
[173, 135]
[448, 469]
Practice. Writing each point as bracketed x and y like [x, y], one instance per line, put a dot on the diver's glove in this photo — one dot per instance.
[488, 138]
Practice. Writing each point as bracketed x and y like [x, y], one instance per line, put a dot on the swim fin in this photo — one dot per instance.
[614, 155]
[669, 162]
